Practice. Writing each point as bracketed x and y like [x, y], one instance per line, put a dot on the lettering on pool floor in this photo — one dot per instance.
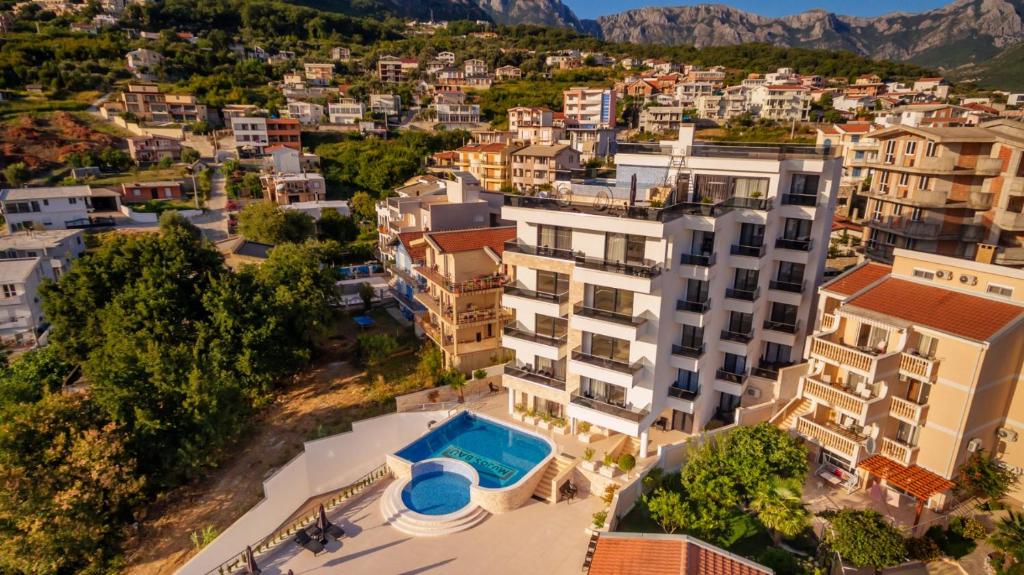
[481, 463]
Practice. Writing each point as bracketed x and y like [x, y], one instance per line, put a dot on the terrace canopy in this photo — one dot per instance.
[917, 481]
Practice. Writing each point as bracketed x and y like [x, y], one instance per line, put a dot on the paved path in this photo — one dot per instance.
[214, 221]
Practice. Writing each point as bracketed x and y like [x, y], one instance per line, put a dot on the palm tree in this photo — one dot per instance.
[1009, 535]
[780, 509]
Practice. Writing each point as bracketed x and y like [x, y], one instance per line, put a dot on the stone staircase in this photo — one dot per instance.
[786, 419]
[395, 513]
[555, 474]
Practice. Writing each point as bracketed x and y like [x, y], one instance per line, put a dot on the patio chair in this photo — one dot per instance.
[492, 387]
[302, 539]
[335, 531]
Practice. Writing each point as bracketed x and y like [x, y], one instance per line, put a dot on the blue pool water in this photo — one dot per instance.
[501, 455]
[436, 493]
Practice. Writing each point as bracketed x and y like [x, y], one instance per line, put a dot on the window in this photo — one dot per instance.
[797, 229]
[922, 182]
[703, 243]
[776, 354]
[877, 212]
[904, 179]
[924, 274]
[897, 209]
[687, 380]
[602, 391]
[554, 327]
[1001, 291]
[735, 363]
[696, 290]
[751, 235]
[804, 184]
[872, 336]
[10, 290]
[555, 237]
[911, 148]
[693, 336]
[890, 151]
[552, 282]
[883, 182]
[916, 214]
[931, 149]
[625, 248]
[790, 272]
[609, 347]
[613, 300]
[750, 187]
[740, 322]
[918, 391]
[907, 434]
[745, 280]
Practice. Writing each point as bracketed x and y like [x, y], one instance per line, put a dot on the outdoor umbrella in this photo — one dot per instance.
[632, 190]
[250, 562]
[322, 524]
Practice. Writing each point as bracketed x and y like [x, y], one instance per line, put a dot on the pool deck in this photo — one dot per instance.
[537, 538]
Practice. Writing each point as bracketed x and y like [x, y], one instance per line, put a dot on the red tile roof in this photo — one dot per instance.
[860, 127]
[857, 279]
[417, 250]
[474, 239]
[915, 480]
[958, 313]
[647, 554]
[482, 148]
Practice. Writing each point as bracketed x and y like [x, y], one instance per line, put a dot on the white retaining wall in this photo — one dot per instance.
[325, 465]
[149, 218]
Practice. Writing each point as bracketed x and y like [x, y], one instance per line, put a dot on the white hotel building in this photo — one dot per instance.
[631, 317]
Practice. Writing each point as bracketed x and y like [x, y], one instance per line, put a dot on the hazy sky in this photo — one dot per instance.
[595, 8]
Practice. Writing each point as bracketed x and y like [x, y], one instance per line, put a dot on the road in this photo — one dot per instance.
[214, 221]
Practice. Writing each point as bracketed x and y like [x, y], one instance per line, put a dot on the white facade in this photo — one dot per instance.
[57, 248]
[250, 131]
[44, 208]
[679, 314]
[307, 113]
[346, 112]
[21, 314]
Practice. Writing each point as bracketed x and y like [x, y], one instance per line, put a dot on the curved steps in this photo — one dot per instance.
[401, 518]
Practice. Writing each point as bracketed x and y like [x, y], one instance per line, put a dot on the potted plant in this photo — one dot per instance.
[583, 431]
[588, 460]
[626, 463]
[599, 520]
[608, 468]
[559, 425]
[544, 420]
[519, 412]
[531, 417]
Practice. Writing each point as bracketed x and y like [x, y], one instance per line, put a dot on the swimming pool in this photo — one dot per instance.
[500, 454]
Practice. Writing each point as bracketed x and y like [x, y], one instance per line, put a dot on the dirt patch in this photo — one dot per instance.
[46, 140]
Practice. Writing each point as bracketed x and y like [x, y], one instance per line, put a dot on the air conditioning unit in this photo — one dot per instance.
[968, 279]
[973, 445]
[1006, 433]
[944, 274]
[754, 392]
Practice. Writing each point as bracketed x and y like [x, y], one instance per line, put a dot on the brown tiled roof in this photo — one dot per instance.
[474, 239]
[860, 127]
[857, 279]
[915, 480]
[958, 313]
[416, 249]
[482, 148]
[646, 554]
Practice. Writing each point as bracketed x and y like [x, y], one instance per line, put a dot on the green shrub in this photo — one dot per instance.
[588, 454]
[479, 374]
[923, 549]
[974, 529]
[626, 462]
[599, 518]
[583, 427]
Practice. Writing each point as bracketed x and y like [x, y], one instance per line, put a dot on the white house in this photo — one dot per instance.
[50, 208]
[346, 112]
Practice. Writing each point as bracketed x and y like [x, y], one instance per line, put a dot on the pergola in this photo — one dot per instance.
[917, 481]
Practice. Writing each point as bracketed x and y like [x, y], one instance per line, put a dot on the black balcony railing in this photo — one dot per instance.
[554, 340]
[520, 291]
[763, 204]
[742, 294]
[517, 246]
[793, 287]
[622, 412]
[758, 151]
[612, 316]
[742, 250]
[535, 377]
[697, 260]
[768, 370]
[645, 269]
[617, 207]
[682, 393]
[790, 244]
[693, 306]
[605, 362]
[737, 336]
[782, 326]
[687, 351]
[799, 200]
[726, 375]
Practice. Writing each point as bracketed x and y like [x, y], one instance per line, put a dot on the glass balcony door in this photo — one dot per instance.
[601, 391]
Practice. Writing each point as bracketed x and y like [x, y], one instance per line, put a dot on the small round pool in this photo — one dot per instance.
[436, 493]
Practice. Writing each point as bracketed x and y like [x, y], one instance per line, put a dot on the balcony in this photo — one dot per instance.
[1013, 221]
[736, 336]
[762, 204]
[972, 232]
[749, 251]
[683, 398]
[864, 361]
[908, 411]
[447, 283]
[781, 326]
[697, 260]
[799, 200]
[433, 331]
[980, 200]
[543, 339]
[793, 244]
[731, 377]
[688, 351]
[905, 226]
[743, 294]
[693, 306]
[518, 247]
[791, 287]
[898, 451]
[646, 269]
[609, 316]
[621, 418]
[845, 442]
[917, 366]
[606, 362]
[521, 373]
[768, 370]
[1015, 187]
[837, 398]
[596, 205]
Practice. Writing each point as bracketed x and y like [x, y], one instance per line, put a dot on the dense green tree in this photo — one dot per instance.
[983, 476]
[865, 538]
[16, 174]
[1009, 535]
[667, 509]
[268, 223]
[780, 509]
[375, 348]
[334, 226]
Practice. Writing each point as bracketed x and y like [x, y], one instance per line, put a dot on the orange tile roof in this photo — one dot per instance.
[416, 249]
[857, 279]
[474, 239]
[656, 554]
[856, 127]
[962, 314]
[482, 148]
[915, 480]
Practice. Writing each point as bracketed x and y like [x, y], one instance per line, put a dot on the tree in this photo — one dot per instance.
[864, 538]
[780, 509]
[189, 155]
[334, 226]
[982, 476]
[760, 452]
[667, 509]
[16, 174]
[431, 364]
[366, 293]
[375, 348]
[1009, 535]
[364, 206]
[456, 380]
[268, 223]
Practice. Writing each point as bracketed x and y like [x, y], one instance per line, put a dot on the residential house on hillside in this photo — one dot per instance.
[58, 248]
[540, 166]
[141, 192]
[291, 188]
[147, 103]
[54, 208]
[347, 111]
[534, 125]
[151, 149]
[254, 133]
[489, 163]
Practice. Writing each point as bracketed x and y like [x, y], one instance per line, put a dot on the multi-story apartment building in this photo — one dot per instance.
[508, 73]
[853, 142]
[147, 103]
[594, 107]
[57, 248]
[143, 60]
[910, 369]
[348, 111]
[591, 142]
[55, 208]
[490, 163]
[148, 149]
[318, 74]
[307, 113]
[784, 103]
[389, 104]
[662, 118]
[139, 192]
[341, 54]
[464, 276]
[686, 93]
[474, 67]
[947, 190]
[256, 133]
[535, 125]
[445, 113]
[285, 189]
[732, 102]
[395, 70]
[21, 313]
[678, 305]
[539, 166]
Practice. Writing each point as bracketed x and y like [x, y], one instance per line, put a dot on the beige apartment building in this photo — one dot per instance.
[147, 103]
[534, 125]
[910, 369]
[464, 276]
[490, 163]
[538, 166]
[853, 142]
[947, 191]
